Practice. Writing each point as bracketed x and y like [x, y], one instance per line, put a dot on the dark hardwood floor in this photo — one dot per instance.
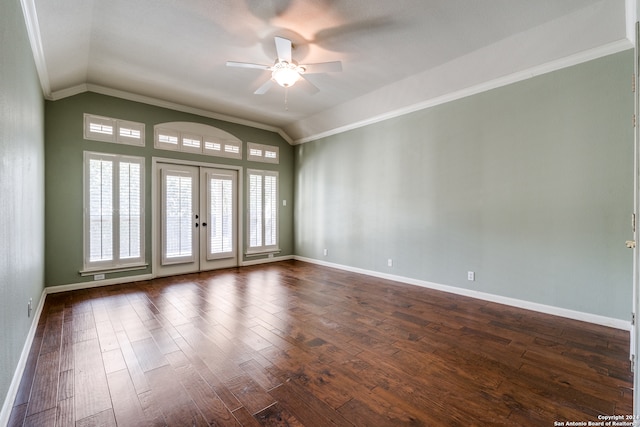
[294, 344]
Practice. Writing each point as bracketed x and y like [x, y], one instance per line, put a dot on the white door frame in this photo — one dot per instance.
[155, 212]
[635, 333]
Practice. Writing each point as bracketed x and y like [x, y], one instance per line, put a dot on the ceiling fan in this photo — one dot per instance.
[285, 71]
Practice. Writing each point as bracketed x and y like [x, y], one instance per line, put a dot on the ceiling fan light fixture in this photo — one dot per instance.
[286, 74]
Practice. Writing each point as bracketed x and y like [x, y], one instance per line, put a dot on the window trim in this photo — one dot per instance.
[263, 249]
[115, 264]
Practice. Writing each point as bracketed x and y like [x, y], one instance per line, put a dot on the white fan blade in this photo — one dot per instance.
[247, 65]
[283, 48]
[323, 67]
[264, 88]
[307, 85]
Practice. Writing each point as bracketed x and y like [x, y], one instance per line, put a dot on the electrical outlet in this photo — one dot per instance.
[98, 277]
[29, 307]
[270, 256]
[325, 252]
[389, 262]
[471, 275]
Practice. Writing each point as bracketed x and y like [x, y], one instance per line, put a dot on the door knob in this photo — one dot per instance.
[631, 244]
[204, 224]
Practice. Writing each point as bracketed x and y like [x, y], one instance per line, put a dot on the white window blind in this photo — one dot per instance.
[232, 149]
[221, 215]
[114, 211]
[130, 133]
[101, 211]
[99, 128]
[263, 211]
[130, 210]
[270, 210]
[178, 216]
[263, 153]
[166, 139]
[255, 210]
[211, 147]
[192, 143]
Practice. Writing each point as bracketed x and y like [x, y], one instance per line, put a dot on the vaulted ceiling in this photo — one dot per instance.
[397, 56]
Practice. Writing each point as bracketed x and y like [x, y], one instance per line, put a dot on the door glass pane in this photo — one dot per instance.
[178, 216]
[221, 215]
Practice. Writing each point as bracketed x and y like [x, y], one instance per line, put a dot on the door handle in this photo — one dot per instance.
[204, 224]
[631, 244]
[196, 225]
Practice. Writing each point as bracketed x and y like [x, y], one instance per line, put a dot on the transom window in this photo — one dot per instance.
[197, 138]
[263, 153]
[107, 129]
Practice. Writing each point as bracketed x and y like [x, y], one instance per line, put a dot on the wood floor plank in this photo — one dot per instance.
[172, 399]
[137, 375]
[148, 354]
[101, 419]
[260, 375]
[245, 419]
[216, 383]
[18, 413]
[65, 385]
[126, 406]
[113, 361]
[249, 393]
[65, 416]
[45, 385]
[41, 419]
[307, 408]
[276, 415]
[91, 391]
[205, 398]
[107, 336]
[151, 410]
[291, 343]
[24, 390]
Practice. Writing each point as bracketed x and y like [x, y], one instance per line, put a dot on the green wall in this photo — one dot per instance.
[528, 185]
[64, 166]
[21, 189]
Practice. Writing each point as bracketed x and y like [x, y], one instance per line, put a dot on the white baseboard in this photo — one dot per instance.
[266, 260]
[527, 305]
[98, 283]
[22, 363]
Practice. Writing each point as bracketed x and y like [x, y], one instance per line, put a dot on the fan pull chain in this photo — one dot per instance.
[286, 98]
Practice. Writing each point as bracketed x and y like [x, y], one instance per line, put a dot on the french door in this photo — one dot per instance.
[197, 219]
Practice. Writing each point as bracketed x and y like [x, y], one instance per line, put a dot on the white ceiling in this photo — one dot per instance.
[397, 55]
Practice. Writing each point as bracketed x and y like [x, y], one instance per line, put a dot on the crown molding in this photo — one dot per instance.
[33, 32]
